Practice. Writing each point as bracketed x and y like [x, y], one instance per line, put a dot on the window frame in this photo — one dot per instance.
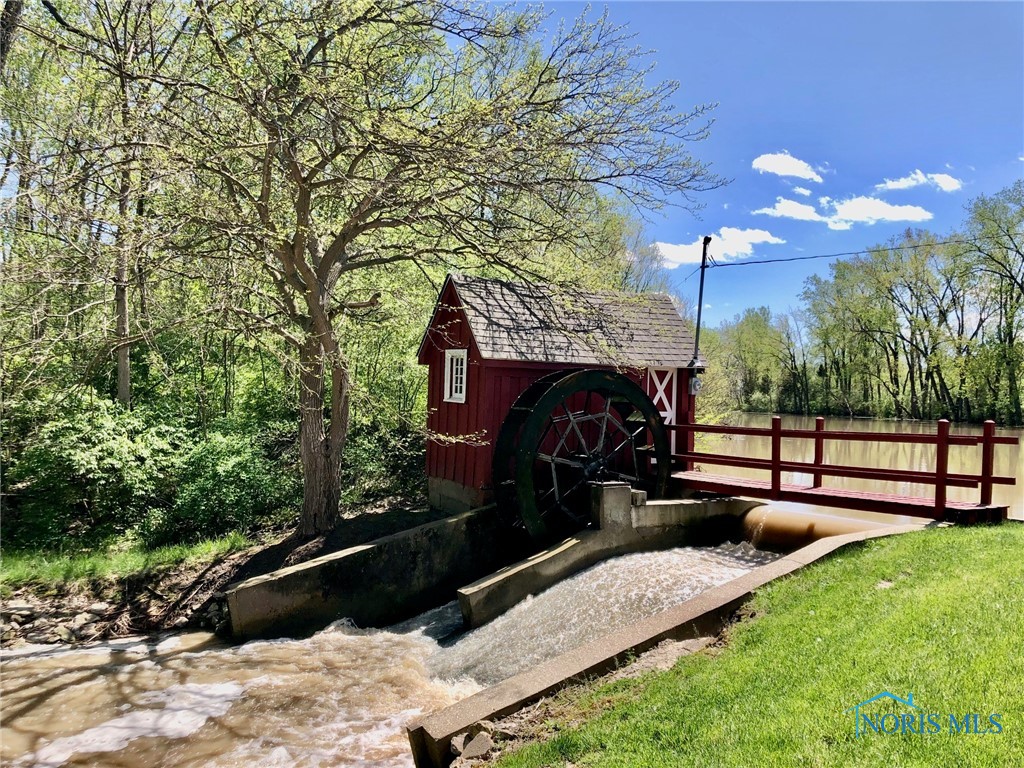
[455, 388]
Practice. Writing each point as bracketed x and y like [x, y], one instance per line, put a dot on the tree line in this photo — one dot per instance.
[920, 327]
[224, 224]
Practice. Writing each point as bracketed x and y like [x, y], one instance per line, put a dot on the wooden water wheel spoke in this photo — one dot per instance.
[604, 423]
[623, 476]
[630, 440]
[576, 428]
[559, 460]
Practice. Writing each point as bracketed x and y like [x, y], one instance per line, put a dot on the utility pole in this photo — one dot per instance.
[695, 363]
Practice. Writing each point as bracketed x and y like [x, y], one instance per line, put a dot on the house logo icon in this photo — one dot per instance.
[875, 723]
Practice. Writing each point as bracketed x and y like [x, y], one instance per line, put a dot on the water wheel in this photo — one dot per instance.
[570, 428]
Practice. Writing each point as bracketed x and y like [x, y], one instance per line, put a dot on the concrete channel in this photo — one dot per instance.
[399, 576]
[705, 614]
[470, 556]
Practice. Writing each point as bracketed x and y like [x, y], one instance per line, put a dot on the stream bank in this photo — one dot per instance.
[186, 597]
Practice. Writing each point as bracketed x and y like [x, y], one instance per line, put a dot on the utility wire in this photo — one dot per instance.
[714, 263]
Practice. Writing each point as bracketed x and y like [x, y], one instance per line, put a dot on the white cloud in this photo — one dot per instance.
[823, 201]
[731, 243]
[943, 181]
[856, 210]
[868, 210]
[802, 191]
[784, 164]
[791, 209]
[913, 180]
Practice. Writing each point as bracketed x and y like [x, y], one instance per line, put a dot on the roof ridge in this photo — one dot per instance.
[458, 277]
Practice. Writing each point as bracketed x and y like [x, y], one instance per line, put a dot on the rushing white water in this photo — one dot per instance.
[585, 606]
[341, 697]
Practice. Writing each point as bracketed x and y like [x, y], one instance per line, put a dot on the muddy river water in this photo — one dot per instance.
[340, 697]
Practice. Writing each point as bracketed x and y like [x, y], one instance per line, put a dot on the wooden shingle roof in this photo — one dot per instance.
[545, 323]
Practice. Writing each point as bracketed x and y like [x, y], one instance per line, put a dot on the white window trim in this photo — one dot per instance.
[455, 386]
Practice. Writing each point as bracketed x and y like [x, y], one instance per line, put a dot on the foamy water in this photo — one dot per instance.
[341, 697]
[583, 607]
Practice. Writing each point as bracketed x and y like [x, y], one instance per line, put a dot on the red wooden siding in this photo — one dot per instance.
[449, 330]
[492, 386]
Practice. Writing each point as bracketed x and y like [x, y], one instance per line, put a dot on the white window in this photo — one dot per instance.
[455, 376]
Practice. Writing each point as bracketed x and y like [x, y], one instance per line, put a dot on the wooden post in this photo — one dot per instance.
[819, 450]
[988, 449]
[941, 467]
[776, 456]
[689, 439]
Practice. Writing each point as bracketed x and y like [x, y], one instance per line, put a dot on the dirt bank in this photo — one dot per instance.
[186, 596]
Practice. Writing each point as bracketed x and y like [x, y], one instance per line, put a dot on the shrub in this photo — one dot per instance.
[92, 471]
[226, 483]
[380, 461]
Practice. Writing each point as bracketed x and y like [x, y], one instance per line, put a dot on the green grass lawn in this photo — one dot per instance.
[48, 569]
[938, 613]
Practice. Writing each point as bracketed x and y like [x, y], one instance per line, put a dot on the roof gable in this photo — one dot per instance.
[544, 323]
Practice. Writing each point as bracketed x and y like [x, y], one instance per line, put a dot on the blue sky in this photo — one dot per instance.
[840, 124]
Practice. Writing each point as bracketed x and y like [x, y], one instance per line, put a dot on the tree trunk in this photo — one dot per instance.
[124, 375]
[320, 450]
[122, 246]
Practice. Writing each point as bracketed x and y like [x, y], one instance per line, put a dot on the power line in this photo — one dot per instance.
[837, 255]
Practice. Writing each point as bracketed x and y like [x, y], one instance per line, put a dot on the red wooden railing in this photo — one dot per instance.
[941, 478]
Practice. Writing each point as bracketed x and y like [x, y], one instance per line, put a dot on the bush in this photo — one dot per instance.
[380, 461]
[226, 483]
[93, 471]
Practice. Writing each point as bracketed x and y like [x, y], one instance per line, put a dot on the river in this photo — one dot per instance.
[339, 698]
[345, 695]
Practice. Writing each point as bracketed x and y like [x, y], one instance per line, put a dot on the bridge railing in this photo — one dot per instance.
[941, 478]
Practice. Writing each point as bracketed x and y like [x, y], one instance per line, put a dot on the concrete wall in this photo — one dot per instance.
[374, 584]
[452, 497]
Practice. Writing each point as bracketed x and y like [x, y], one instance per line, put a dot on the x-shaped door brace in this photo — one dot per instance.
[663, 396]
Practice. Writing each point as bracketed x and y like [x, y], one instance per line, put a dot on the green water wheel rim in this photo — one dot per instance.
[535, 412]
[505, 445]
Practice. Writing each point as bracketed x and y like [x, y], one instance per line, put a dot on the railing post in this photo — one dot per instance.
[776, 456]
[941, 467]
[690, 439]
[988, 449]
[819, 450]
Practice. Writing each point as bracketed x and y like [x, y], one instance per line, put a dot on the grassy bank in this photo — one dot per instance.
[936, 613]
[50, 569]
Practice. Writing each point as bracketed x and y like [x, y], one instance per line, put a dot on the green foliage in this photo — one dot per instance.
[380, 461]
[177, 178]
[91, 471]
[95, 472]
[226, 483]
